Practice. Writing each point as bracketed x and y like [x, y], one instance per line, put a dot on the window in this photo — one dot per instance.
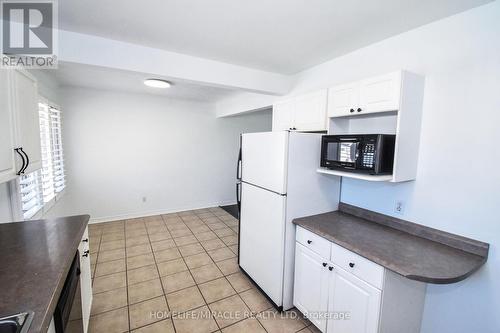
[41, 188]
[30, 187]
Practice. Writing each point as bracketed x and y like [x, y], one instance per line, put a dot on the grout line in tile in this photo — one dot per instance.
[199, 290]
[189, 270]
[161, 282]
[100, 313]
[126, 285]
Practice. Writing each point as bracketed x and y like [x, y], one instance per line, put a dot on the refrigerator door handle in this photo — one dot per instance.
[238, 196]
[238, 166]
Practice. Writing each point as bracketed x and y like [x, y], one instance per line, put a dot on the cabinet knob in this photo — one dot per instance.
[85, 240]
[351, 264]
[359, 110]
[324, 264]
[85, 254]
[351, 110]
[330, 268]
[309, 241]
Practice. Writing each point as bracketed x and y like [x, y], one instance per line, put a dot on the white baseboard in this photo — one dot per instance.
[156, 212]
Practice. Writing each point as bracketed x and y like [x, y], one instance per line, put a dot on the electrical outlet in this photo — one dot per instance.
[144, 199]
[399, 208]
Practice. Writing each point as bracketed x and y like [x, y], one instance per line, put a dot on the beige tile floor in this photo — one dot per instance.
[177, 273]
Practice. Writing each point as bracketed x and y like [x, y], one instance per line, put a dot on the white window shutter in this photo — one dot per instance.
[40, 188]
[47, 172]
[57, 150]
[30, 187]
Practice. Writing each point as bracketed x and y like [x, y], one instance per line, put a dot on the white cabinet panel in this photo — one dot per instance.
[310, 111]
[25, 103]
[283, 115]
[381, 93]
[7, 157]
[355, 264]
[311, 285]
[352, 296]
[313, 242]
[377, 94]
[343, 100]
[303, 113]
[85, 279]
[353, 299]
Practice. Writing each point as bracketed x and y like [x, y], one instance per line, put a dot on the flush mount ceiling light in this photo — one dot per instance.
[157, 83]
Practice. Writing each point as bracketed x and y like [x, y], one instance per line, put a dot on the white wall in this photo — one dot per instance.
[48, 86]
[121, 147]
[5, 210]
[243, 102]
[458, 183]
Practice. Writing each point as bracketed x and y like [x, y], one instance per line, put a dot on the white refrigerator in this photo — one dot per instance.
[278, 183]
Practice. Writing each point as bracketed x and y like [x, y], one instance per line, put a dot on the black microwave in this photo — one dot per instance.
[365, 153]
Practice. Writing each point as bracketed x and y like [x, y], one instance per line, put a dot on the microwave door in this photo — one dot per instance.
[342, 153]
[348, 152]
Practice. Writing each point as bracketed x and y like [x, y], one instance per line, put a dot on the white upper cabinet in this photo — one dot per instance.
[283, 115]
[19, 124]
[386, 104]
[342, 100]
[310, 111]
[302, 113]
[376, 94]
[27, 123]
[381, 93]
[7, 157]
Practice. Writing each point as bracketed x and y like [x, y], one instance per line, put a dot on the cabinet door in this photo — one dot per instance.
[343, 99]
[352, 296]
[85, 280]
[283, 115]
[381, 93]
[25, 102]
[310, 111]
[7, 157]
[310, 294]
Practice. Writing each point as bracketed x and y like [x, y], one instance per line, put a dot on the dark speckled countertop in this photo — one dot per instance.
[411, 250]
[35, 257]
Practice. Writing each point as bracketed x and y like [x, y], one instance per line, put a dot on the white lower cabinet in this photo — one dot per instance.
[311, 285]
[356, 303]
[82, 302]
[342, 292]
[85, 279]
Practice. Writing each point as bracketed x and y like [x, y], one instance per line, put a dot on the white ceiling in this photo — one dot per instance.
[69, 74]
[284, 36]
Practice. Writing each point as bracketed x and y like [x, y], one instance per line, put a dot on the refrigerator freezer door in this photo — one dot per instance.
[264, 157]
[262, 239]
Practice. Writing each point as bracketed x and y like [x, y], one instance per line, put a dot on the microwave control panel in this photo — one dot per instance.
[368, 155]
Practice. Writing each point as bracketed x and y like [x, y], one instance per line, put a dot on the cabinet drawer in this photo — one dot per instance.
[84, 244]
[363, 268]
[313, 242]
